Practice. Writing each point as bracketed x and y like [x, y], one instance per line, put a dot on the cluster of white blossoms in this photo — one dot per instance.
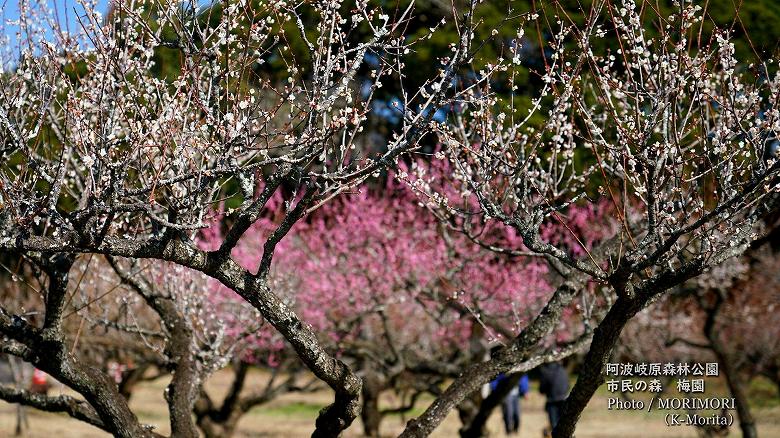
[671, 133]
[143, 118]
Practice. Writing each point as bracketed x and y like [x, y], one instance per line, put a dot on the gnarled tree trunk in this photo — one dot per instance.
[370, 415]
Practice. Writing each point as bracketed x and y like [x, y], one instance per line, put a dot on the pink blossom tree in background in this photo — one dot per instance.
[405, 300]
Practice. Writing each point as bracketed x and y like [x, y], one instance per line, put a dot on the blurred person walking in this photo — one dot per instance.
[554, 384]
[510, 406]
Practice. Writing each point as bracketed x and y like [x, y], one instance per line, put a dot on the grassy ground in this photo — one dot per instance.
[293, 416]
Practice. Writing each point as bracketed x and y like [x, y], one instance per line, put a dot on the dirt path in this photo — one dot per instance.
[292, 416]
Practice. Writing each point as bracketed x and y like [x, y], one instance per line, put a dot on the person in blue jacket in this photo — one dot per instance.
[510, 407]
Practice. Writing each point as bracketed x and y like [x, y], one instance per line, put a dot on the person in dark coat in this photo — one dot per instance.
[510, 407]
[554, 384]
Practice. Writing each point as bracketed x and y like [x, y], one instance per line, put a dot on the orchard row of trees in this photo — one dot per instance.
[188, 187]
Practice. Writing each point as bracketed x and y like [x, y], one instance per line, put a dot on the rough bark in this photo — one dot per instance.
[97, 388]
[57, 268]
[183, 390]
[469, 408]
[591, 376]
[78, 409]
